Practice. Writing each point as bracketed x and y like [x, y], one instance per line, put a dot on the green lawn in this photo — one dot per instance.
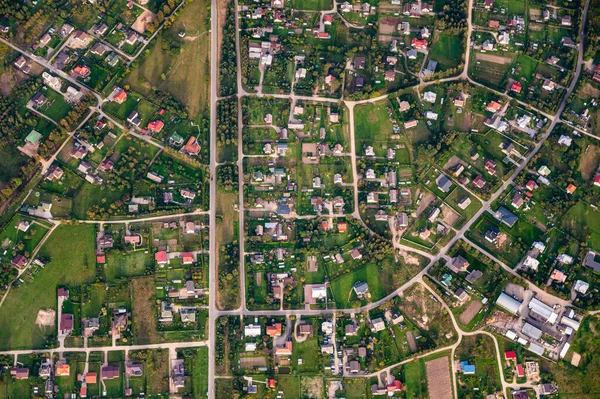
[200, 373]
[447, 51]
[56, 108]
[71, 250]
[342, 287]
[119, 264]
[309, 352]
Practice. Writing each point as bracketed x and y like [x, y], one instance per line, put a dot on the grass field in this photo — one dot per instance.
[581, 217]
[69, 264]
[446, 51]
[186, 75]
[371, 121]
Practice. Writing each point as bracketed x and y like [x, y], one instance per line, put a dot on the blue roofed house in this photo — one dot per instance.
[467, 368]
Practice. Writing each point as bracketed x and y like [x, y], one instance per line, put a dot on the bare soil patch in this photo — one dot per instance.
[470, 312]
[439, 382]
[453, 161]
[589, 161]
[575, 359]
[312, 387]
[590, 90]
[497, 59]
[142, 21]
[251, 362]
[411, 341]
[450, 216]
[409, 259]
[387, 26]
[45, 318]
[427, 199]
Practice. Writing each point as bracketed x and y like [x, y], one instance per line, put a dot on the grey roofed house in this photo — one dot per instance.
[98, 49]
[541, 309]
[508, 303]
[112, 59]
[283, 209]
[354, 366]
[360, 82]
[461, 294]
[361, 288]
[351, 329]
[359, 62]
[432, 65]
[590, 261]
[444, 183]
[61, 60]
[531, 331]
[506, 216]
[474, 276]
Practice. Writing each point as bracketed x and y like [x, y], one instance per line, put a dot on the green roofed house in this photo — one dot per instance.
[33, 137]
[175, 139]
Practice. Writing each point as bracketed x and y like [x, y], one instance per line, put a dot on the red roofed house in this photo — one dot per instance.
[19, 261]
[83, 392]
[510, 355]
[82, 71]
[390, 76]
[322, 35]
[192, 147]
[328, 19]
[479, 181]
[419, 43]
[133, 239]
[120, 97]
[285, 350]
[516, 87]
[342, 227]
[274, 330]
[531, 185]
[91, 378]
[597, 180]
[493, 106]
[520, 371]
[161, 257]
[63, 369]
[156, 126]
[394, 386]
[271, 383]
[100, 258]
[571, 188]
[66, 323]
[187, 258]
[597, 73]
